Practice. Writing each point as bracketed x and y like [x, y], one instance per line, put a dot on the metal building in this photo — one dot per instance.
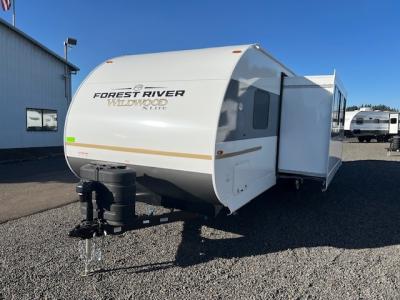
[35, 91]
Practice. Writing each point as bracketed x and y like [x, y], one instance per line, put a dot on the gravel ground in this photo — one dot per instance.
[340, 244]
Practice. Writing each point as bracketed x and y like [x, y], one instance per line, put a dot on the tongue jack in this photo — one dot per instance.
[112, 211]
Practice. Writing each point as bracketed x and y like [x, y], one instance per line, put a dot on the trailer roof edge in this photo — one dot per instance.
[265, 52]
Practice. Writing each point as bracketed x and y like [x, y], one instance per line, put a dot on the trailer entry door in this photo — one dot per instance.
[394, 123]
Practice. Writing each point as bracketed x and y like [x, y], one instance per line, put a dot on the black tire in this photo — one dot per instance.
[368, 139]
[298, 184]
[360, 139]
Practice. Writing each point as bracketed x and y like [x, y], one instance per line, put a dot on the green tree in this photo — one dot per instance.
[352, 108]
[382, 107]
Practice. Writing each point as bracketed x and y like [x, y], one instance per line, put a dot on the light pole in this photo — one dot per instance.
[14, 16]
[69, 42]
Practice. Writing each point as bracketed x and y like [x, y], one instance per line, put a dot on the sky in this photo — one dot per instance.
[359, 39]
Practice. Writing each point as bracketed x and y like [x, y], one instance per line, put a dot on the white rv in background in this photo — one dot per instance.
[366, 124]
[216, 126]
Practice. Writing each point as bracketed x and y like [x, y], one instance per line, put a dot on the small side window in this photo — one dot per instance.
[336, 107]
[342, 107]
[33, 119]
[393, 120]
[343, 111]
[41, 119]
[261, 109]
[359, 121]
[223, 119]
[49, 120]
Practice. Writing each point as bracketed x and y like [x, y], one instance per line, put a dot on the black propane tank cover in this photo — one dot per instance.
[121, 183]
[117, 175]
[115, 192]
[88, 172]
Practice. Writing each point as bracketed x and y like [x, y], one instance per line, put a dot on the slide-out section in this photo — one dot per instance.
[312, 125]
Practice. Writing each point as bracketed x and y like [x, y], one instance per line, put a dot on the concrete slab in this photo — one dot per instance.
[34, 186]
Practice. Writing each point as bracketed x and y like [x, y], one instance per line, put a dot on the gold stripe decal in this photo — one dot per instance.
[225, 155]
[141, 151]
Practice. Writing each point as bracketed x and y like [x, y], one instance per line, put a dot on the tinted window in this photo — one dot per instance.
[261, 109]
[223, 119]
[359, 121]
[393, 121]
[342, 108]
[41, 119]
[336, 107]
[34, 119]
[49, 120]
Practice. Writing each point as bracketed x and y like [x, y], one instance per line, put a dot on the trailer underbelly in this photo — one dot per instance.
[176, 184]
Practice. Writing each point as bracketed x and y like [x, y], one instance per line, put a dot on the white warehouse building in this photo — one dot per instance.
[35, 92]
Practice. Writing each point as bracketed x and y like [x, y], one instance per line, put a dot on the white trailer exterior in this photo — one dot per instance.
[394, 124]
[197, 125]
[368, 124]
[348, 120]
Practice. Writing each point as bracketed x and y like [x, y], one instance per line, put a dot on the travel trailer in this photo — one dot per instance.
[366, 124]
[211, 127]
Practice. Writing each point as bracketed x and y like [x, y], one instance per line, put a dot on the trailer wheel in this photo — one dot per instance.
[368, 139]
[298, 183]
[360, 139]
